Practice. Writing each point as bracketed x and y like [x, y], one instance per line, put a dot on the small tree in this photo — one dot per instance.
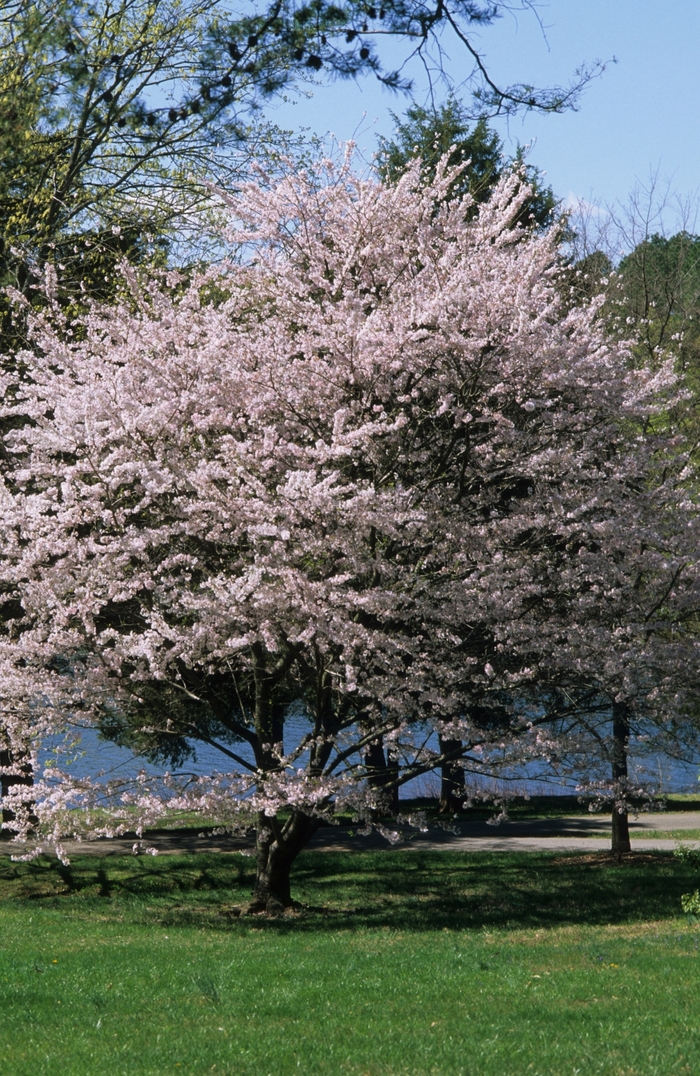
[645, 278]
[356, 472]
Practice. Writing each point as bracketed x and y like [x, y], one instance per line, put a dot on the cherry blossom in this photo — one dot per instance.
[370, 468]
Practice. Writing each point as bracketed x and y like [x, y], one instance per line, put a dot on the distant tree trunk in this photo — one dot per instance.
[620, 748]
[276, 848]
[382, 775]
[452, 784]
[8, 781]
[392, 769]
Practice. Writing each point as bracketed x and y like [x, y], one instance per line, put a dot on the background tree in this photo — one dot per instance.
[645, 277]
[450, 132]
[643, 255]
[113, 115]
[657, 291]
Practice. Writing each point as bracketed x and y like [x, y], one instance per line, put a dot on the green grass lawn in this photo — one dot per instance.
[665, 834]
[406, 962]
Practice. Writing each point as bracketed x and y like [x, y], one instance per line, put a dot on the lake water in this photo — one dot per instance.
[664, 774]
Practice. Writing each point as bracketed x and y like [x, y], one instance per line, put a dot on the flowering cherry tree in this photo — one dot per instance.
[370, 474]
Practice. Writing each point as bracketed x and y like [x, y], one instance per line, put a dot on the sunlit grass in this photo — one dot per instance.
[666, 834]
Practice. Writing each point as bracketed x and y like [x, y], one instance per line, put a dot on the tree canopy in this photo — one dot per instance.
[651, 296]
[658, 287]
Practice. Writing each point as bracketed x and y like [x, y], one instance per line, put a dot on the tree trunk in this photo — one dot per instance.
[452, 784]
[620, 747]
[8, 781]
[392, 771]
[381, 775]
[276, 848]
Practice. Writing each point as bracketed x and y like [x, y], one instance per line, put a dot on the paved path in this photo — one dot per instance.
[582, 833]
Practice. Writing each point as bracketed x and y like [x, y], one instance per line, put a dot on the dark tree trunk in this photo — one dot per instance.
[279, 841]
[620, 747]
[276, 848]
[392, 769]
[452, 784]
[8, 781]
[382, 775]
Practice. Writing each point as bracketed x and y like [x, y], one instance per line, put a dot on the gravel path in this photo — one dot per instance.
[582, 833]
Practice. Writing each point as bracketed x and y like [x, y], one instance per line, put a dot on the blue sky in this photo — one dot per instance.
[641, 116]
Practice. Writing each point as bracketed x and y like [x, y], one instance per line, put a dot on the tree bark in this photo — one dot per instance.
[277, 843]
[276, 848]
[8, 781]
[620, 748]
[392, 769]
[382, 775]
[452, 783]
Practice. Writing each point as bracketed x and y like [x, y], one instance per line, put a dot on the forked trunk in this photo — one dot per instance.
[452, 784]
[620, 819]
[276, 848]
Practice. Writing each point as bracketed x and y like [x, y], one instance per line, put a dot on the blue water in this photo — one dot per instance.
[664, 775]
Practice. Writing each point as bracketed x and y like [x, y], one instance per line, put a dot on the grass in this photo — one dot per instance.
[666, 834]
[406, 964]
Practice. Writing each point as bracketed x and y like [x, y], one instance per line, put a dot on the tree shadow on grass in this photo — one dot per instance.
[437, 890]
[399, 890]
[122, 880]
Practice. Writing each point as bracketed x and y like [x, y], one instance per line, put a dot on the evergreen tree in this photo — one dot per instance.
[449, 133]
